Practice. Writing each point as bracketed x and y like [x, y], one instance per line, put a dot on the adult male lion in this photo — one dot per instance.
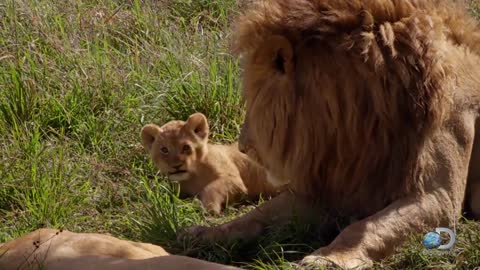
[369, 107]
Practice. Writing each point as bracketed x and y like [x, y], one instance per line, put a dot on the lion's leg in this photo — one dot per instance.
[473, 191]
[475, 198]
[280, 209]
[440, 204]
[375, 237]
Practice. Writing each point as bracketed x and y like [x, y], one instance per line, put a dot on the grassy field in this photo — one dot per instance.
[78, 80]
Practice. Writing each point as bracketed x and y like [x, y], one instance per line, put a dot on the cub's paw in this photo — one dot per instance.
[213, 209]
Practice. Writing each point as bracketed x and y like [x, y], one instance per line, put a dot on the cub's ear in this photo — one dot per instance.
[197, 123]
[148, 134]
[278, 52]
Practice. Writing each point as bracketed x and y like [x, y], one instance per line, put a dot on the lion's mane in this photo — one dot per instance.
[369, 82]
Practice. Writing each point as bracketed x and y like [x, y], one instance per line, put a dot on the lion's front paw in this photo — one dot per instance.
[313, 262]
[316, 261]
[201, 233]
[191, 233]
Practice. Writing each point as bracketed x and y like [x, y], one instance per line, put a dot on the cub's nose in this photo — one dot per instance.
[177, 167]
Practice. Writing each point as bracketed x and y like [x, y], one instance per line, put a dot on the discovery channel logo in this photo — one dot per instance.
[433, 240]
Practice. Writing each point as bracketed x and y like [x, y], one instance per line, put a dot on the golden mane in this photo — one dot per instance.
[368, 86]
[370, 109]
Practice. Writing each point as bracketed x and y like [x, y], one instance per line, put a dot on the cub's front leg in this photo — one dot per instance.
[213, 196]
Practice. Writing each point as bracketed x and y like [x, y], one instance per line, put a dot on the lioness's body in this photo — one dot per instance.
[52, 249]
[217, 174]
[371, 108]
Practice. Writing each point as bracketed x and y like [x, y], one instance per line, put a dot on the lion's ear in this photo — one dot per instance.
[148, 134]
[281, 54]
[198, 124]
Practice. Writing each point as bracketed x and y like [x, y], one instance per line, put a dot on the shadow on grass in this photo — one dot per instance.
[165, 215]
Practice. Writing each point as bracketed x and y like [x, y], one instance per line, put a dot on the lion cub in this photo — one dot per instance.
[214, 173]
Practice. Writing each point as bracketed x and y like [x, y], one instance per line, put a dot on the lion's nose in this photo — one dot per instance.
[242, 148]
[242, 141]
[177, 167]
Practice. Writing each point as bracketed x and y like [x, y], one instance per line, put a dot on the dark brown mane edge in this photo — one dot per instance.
[269, 17]
[389, 89]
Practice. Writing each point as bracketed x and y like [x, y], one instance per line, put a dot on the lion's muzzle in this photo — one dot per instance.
[243, 142]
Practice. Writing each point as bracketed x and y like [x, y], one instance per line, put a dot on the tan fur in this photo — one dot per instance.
[59, 250]
[215, 173]
[369, 107]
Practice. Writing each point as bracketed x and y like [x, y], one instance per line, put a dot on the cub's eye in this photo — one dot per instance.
[186, 149]
[164, 150]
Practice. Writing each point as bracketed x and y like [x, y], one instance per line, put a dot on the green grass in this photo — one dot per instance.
[475, 8]
[78, 80]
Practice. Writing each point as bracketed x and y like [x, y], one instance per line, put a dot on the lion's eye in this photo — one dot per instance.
[186, 149]
[164, 150]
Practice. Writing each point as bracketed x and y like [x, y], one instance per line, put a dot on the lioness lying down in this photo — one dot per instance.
[55, 249]
[216, 173]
